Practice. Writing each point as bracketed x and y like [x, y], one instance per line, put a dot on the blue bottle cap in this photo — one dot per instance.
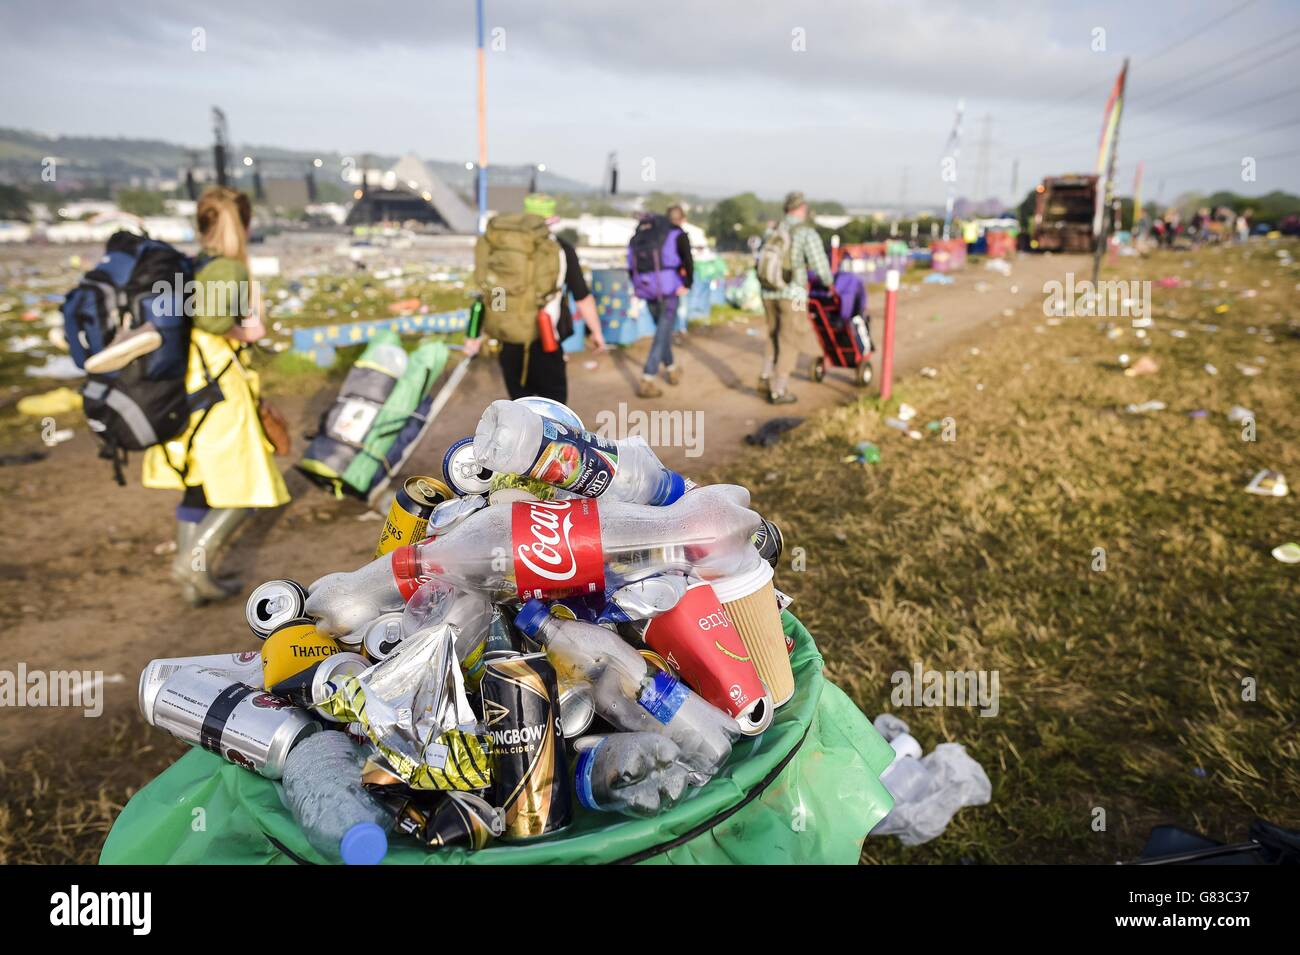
[675, 488]
[531, 617]
[363, 844]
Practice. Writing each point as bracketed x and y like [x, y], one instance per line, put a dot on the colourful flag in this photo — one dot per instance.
[1106, 148]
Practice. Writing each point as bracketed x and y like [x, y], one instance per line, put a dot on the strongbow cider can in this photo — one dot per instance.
[697, 638]
[408, 517]
[530, 772]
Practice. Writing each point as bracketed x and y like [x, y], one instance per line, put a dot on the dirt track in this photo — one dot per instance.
[82, 586]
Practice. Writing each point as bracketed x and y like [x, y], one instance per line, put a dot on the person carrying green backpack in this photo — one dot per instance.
[525, 276]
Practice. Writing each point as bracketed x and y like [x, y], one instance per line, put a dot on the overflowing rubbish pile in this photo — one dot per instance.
[560, 625]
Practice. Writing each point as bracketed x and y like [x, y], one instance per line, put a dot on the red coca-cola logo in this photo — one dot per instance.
[548, 548]
[556, 546]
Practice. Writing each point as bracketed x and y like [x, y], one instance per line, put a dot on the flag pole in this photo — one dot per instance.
[1109, 129]
[482, 125]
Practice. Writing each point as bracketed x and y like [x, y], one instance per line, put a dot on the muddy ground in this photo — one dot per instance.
[83, 573]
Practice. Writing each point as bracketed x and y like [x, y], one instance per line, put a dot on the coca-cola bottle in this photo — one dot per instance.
[629, 693]
[514, 439]
[557, 549]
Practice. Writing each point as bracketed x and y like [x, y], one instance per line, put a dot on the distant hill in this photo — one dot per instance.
[121, 161]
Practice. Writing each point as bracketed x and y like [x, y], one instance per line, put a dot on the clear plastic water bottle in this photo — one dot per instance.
[637, 774]
[322, 785]
[514, 439]
[629, 693]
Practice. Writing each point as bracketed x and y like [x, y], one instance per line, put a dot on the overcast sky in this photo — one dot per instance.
[715, 92]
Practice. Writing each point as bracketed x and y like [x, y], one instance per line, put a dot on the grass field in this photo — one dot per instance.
[1121, 688]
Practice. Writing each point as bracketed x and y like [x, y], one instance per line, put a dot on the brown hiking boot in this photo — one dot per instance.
[648, 389]
[673, 375]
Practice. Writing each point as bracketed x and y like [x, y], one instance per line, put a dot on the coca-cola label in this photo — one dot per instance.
[577, 461]
[556, 549]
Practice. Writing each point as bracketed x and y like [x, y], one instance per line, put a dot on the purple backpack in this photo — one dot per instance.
[652, 258]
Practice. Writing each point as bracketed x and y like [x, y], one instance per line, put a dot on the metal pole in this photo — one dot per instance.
[887, 356]
[482, 124]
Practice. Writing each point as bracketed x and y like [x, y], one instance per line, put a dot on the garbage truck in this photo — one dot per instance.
[1064, 207]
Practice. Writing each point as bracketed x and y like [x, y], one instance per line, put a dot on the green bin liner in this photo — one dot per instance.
[807, 790]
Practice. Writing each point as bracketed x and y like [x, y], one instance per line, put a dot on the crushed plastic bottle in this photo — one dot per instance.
[629, 693]
[637, 774]
[322, 786]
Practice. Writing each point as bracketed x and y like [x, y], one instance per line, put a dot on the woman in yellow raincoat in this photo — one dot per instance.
[223, 462]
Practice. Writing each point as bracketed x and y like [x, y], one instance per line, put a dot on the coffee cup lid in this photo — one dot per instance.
[744, 583]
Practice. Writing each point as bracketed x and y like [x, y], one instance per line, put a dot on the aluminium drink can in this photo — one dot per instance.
[530, 770]
[408, 515]
[244, 667]
[463, 472]
[247, 726]
[274, 603]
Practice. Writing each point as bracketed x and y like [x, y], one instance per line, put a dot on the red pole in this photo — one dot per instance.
[887, 356]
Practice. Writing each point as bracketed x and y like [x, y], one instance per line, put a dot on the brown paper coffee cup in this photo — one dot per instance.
[750, 602]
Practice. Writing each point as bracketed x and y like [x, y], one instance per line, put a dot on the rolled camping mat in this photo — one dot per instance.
[805, 791]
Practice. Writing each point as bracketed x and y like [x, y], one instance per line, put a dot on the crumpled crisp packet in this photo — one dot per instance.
[414, 709]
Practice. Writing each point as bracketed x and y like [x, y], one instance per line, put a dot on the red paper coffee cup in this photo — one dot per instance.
[697, 638]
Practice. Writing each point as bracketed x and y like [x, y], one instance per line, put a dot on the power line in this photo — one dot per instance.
[1153, 57]
[1216, 167]
[1245, 69]
[1234, 136]
[1239, 108]
[1195, 33]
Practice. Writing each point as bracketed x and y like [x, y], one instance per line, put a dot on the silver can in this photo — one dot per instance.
[273, 603]
[383, 636]
[243, 725]
[577, 709]
[462, 471]
[334, 670]
[244, 667]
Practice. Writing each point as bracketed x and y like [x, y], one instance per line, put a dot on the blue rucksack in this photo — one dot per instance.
[144, 403]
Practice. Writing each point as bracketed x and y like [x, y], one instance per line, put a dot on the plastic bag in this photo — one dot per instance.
[928, 791]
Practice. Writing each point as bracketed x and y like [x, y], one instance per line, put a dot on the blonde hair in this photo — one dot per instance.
[224, 216]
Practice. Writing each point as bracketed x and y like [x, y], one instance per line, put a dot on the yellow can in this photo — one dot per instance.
[408, 518]
[292, 648]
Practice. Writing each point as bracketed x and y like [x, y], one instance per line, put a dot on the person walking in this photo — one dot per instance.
[223, 462]
[662, 270]
[789, 251]
[526, 275]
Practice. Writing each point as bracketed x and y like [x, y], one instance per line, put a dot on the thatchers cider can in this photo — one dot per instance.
[408, 516]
